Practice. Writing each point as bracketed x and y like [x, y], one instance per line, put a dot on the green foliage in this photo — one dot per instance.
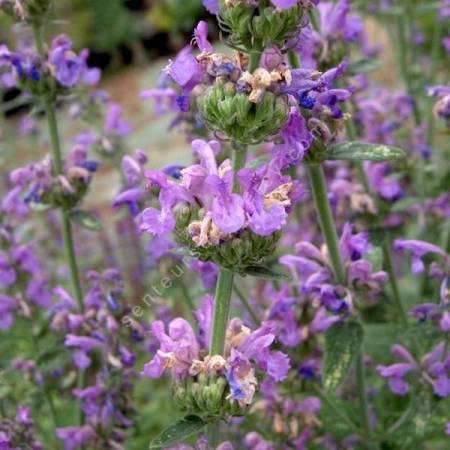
[266, 273]
[361, 151]
[176, 15]
[85, 219]
[342, 343]
[178, 432]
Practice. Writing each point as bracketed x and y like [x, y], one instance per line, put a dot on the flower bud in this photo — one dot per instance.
[236, 254]
[206, 398]
[248, 24]
[233, 115]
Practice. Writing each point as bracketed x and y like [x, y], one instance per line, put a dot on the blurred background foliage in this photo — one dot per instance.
[117, 30]
[124, 32]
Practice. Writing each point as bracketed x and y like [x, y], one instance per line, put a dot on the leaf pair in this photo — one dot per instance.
[362, 151]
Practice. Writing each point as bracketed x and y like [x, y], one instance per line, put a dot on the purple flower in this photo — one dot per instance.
[85, 343]
[7, 272]
[114, 124]
[322, 321]
[186, 70]
[208, 272]
[68, 66]
[74, 437]
[256, 346]
[297, 139]
[177, 351]
[284, 4]
[7, 307]
[418, 249]
[212, 6]
[336, 21]
[201, 37]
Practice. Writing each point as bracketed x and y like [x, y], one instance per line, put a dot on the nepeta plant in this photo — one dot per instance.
[306, 245]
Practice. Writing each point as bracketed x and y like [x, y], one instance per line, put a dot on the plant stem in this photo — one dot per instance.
[389, 265]
[255, 56]
[246, 305]
[362, 396]
[224, 285]
[221, 311]
[239, 159]
[319, 190]
[71, 257]
[66, 227]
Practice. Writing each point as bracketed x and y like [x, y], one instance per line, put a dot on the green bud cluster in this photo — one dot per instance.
[206, 397]
[256, 27]
[56, 195]
[224, 110]
[243, 250]
[46, 88]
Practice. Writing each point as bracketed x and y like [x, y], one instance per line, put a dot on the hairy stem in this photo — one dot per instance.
[221, 311]
[319, 190]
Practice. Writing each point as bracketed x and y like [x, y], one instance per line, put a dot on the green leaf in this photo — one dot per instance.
[178, 432]
[404, 204]
[267, 273]
[361, 151]
[39, 207]
[375, 257]
[86, 220]
[342, 343]
[364, 66]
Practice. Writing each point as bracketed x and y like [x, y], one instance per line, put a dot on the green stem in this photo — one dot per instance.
[38, 39]
[69, 249]
[246, 305]
[319, 191]
[239, 159]
[224, 284]
[255, 56]
[58, 169]
[362, 395]
[66, 226]
[389, 265]
[221, 311]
